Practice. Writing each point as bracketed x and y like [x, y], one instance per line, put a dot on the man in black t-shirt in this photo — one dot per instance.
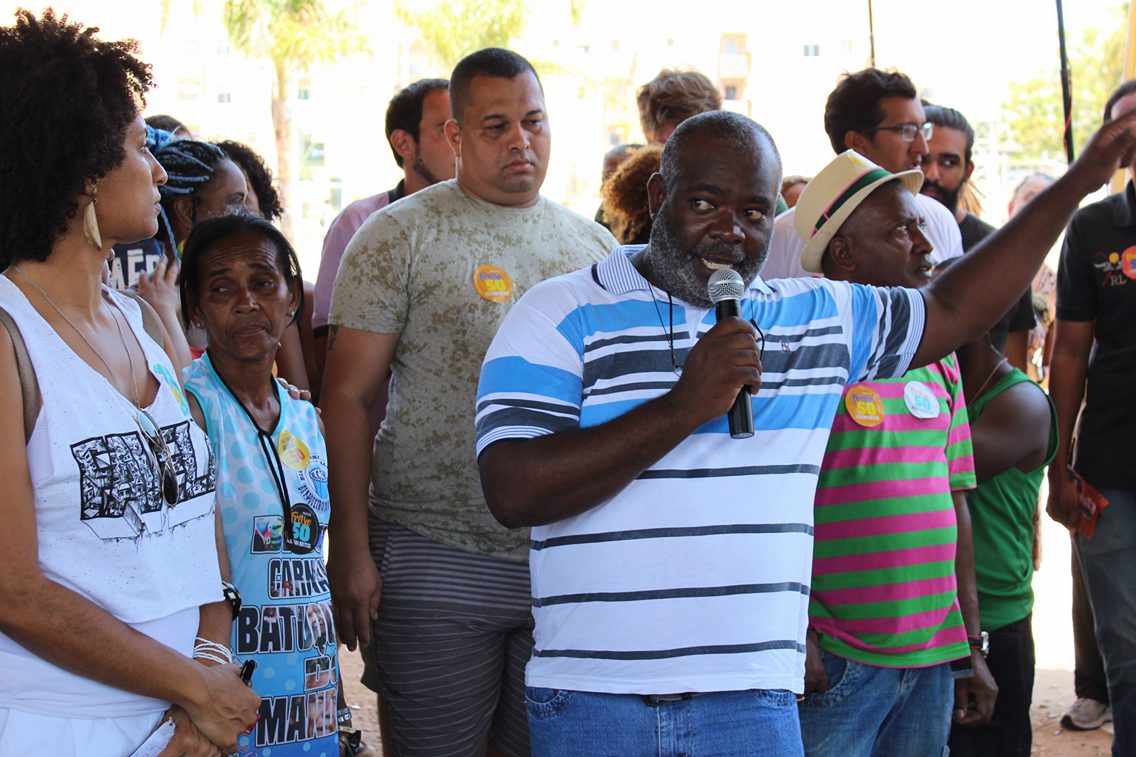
[1094, 361]
[946, 170]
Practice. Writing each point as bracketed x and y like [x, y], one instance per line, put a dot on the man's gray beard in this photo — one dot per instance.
[674, 268]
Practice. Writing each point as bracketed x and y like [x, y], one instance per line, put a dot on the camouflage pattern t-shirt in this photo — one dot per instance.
[442, 269]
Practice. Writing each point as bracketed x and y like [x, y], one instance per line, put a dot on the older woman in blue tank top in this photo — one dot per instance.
[240, 282]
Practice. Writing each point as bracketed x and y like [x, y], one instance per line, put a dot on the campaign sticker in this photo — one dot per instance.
[493, 283]
[920, 400]
[174, 385]
[303, 531]
[1128, 263]
[293, 452]
[864, 405]
[312, 483]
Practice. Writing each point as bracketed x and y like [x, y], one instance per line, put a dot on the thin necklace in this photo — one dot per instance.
[121, 338]
[990, 378]
[150, 431]
[129, 357]
[675, 366]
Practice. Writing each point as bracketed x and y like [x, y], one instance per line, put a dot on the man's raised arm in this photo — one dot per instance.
[966, 300]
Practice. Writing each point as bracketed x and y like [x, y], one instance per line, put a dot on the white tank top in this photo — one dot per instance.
[103, 527]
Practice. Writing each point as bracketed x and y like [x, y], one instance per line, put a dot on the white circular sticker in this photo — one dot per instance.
[920, 400]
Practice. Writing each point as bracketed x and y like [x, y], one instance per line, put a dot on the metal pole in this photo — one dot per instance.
[872, 36]
[1066, 87]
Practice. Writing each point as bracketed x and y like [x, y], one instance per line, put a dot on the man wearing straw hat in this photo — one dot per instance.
[893, 605]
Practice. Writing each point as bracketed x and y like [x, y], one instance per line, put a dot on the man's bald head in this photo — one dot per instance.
[718, 130]
[713, 202]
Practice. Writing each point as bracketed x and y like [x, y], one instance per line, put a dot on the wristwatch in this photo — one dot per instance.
[232, 596]
[981, 642]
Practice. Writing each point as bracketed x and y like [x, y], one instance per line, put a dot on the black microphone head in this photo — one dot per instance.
[725, 284]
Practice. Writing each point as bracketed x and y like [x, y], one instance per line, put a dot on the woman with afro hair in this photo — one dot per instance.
[625, 205]
[111, 564]
[261, 198]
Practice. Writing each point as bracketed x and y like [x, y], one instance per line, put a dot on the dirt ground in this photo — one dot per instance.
[1052, 693]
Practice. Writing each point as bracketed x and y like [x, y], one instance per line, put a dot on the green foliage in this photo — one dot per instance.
[576, 11]
[292, 33]
[1034, 112]
[451, 29]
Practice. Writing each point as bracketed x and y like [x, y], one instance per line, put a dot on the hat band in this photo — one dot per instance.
[871, 176]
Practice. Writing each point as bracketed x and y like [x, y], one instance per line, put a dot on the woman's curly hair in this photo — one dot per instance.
[259, 176]
[66, 100]
[625, 205]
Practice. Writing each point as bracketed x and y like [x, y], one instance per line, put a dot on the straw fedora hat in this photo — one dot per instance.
[828, 200]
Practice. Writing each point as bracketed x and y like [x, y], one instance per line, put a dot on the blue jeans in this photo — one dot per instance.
[870, 710]
[1108, 563]
[725, 724]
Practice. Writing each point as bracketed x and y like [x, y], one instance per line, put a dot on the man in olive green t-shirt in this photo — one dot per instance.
[423, 286]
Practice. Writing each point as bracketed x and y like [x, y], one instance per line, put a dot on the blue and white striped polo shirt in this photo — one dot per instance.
[695, 577]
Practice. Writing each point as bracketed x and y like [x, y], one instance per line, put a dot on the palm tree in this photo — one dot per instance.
[294, 35]
[451, 29]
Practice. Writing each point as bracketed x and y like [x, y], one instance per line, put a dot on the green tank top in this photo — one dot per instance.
[1002, 511]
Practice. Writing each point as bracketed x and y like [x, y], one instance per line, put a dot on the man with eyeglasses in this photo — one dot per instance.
[877, 114]
[947, 169]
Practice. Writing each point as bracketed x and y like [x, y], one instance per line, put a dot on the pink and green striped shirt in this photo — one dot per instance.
[883, 587]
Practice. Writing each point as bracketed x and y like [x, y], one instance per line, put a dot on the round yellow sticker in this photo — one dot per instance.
[493, 283]
[293, 452]
[864, 405]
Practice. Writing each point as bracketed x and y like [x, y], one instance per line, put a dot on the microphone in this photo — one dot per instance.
[726, 289]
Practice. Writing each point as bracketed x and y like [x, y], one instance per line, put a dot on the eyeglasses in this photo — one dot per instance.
[160, 454]
[908, 130]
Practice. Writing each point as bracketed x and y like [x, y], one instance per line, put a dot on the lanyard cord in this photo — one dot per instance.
[271, 456]
[670, 334]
